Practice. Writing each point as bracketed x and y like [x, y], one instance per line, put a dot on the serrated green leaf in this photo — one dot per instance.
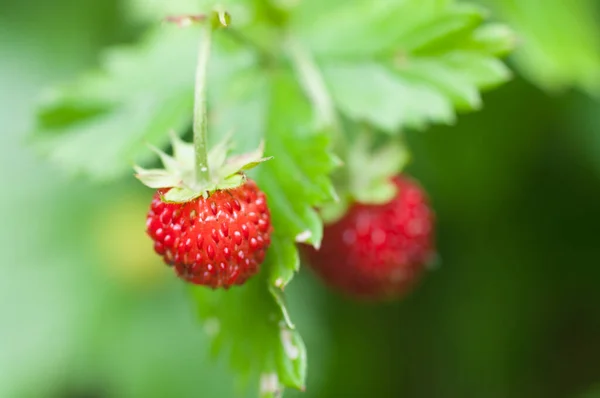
[279, 299]
[291, 358]
[285, 259]
[485, 72]
[99, 148]
[373, 64]
[294, 182]
[97, 125]
[261, 342]
[332, 29]
[135, 101]
[493, 39]
[442, 31]
[372, 93]
[450, 81]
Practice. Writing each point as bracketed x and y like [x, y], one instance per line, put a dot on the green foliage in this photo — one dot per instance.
[302, 181]
[404, 63]
[392, 64]
[559, 41]
[98, 125]
[373, 168]
[251, 325]
[253, 320]
[69, 330]
[178, 172]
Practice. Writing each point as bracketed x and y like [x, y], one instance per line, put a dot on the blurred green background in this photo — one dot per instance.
[88, 311]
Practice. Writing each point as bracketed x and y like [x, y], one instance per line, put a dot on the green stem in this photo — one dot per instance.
[200, 116]
[313, 84]
[316, 90]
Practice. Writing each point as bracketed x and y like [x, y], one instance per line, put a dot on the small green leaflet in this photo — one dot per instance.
[405, 63]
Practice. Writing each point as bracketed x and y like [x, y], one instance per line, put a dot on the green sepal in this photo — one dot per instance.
[178, 173]
[333, 211]
[283, 254]
[157, 178]
[181, 195]
[181, 149]
[246, 161]
[372, 170]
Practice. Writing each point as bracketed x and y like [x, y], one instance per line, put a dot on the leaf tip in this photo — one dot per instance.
[303, 236]
[337, 161]
[173, 136]
[269, 385]
[279, 283]
[138, 170]
[287, 339]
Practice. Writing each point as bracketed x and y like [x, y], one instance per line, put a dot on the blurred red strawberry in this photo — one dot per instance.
[378, 252]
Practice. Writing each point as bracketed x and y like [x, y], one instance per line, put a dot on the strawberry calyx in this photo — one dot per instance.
[193, 171]
[178, 174]
[368, 177]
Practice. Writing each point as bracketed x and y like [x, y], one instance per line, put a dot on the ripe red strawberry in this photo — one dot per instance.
[378, 251]
[218, 241]
[214, 231]
[207, 219]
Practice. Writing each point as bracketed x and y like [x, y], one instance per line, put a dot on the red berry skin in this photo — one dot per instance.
[378, 252]
[219, 241]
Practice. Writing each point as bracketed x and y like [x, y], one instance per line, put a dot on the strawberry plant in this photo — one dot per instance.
[329, 87]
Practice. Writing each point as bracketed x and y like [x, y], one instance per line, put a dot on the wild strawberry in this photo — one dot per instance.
[207, 219]
[215, 232]
[378, 251]
[217, 241]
